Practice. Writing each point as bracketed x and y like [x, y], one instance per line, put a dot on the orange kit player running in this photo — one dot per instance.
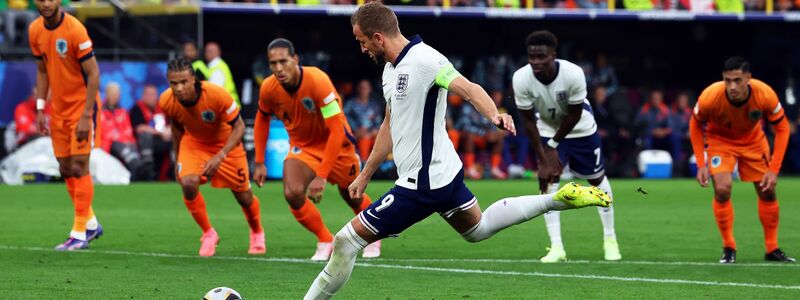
[322, 148]
[733, 110]
[207, 132]
[64, 56]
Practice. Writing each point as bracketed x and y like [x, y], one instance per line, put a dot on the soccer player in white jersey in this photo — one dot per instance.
[416, 79]
[566, 128]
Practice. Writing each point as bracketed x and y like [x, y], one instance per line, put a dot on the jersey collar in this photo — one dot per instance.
[740, 104]
[416, 39]
[57, 24]
[299, 82]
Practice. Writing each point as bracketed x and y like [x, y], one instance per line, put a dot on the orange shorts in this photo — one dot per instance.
[65, 141]
[233, 172]
[753, 159]
[345, 169]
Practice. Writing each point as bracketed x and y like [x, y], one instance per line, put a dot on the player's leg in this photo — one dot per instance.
[397, 210]
[251, 207]
[343, 174]
[297, 175]
[723, 212]
[496, 138]
[552, 219]
[752, 167]
[234, 175]
[470, 139]
[190, 166]
[610, 245]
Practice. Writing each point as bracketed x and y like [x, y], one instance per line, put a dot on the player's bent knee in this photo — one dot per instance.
[190, 186]
[294, 194]
[477, 233]
[347, 243]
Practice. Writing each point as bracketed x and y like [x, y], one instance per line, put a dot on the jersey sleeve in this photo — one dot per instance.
[772, 107]
[33, 32]
[522, 98]
[82, 48]
[701, 109]
[325, 96]
[577, 89]
[263, 98]
[228, 108]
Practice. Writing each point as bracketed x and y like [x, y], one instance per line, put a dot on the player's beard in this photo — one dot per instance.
[379, 58]
[51, 16]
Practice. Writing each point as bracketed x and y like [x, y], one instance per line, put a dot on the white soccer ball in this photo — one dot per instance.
[222, 293]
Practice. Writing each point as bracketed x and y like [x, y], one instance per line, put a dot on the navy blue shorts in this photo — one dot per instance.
[584, 156]
[400, 207]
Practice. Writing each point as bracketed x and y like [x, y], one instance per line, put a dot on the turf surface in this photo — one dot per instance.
[668, 239]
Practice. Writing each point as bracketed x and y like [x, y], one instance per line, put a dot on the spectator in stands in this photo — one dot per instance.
[190, 52]
[605, 75]
[117, 134]
[219, 72]
[152, 132]
[613, 116]
[15, 19]
[592, 4]
[518, 160]
[654, 117]
[26, 128]
[681, 143]
[365, 115]
[478, 132]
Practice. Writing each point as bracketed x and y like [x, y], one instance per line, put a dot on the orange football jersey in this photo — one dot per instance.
[63, 48]
[301, 110]
[737, 124]
[208, 120]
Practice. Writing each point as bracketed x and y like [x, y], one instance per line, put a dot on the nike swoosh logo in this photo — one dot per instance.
[369, 212]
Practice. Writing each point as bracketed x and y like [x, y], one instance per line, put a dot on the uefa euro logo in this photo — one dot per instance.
[402, 83]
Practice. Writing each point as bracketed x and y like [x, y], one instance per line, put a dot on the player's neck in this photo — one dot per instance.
[55, 19]
[394, 46]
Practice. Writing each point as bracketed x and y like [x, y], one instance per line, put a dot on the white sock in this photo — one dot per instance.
[552, 220]
[92, 223]
[607, 213]
[81, 235]
[346, 245]
[511, 211]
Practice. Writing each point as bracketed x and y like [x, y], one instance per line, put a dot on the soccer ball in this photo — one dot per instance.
[222, 293]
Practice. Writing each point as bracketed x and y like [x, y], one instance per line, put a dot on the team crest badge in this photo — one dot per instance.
[402, 83]
[308, 104]
[296, 150]
[208, 116]
[716, 161]
[754, 115]
[561, 96]
[61, 47]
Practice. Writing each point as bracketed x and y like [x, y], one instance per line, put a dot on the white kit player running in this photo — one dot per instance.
[416, 79]
[562, 132]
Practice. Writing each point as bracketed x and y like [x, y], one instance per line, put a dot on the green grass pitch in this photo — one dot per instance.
[668, 238]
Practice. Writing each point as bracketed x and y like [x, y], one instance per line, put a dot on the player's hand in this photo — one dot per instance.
[260, 174]
[551, 167]
[768, 182]
[316, 188]
[41, 123]
[358, 187]
[212, 165]
[702, 176]
[84, 125]
[505, 122]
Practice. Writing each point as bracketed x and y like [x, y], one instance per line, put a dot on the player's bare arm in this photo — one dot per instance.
[234, 139]
[574, 112]
[381, 149]
[92, 72]
[698, 146]
[477, 96]
[261, 135]
[42, 85]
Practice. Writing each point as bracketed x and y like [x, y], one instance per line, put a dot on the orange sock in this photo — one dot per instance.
[768, 212]
[309, 217]
[82, 196]
[197, 208]
[253, 216]
[469, 160]
[365, 202]
[724, 215]
[496, 160]
[70, 181]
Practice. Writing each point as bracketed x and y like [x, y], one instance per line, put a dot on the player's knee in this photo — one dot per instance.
[189, 185]
[346, 243]
[294, 194]
[65, 170]
[722, 194]
[245, 199]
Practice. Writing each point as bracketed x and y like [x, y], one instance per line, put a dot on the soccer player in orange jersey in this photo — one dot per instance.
[732, 111]
[322, 148]
[206, 136]
[67, 68]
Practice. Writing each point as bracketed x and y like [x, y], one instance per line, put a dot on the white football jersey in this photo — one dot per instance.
[417, 102]
[551, 100]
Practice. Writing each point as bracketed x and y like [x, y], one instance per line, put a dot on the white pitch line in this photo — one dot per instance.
[593, 262]
[433, 269]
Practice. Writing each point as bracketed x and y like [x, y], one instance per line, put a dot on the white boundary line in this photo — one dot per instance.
[433, 269]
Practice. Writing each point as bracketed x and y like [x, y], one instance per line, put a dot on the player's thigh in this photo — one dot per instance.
[457, 205]
[298, 171]
[721, 161]
[84, 147]
[233, 172]
[61, 136]
[191, 160]
[585, 156]
[345, 170]
[394, 212]
[754, 162]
